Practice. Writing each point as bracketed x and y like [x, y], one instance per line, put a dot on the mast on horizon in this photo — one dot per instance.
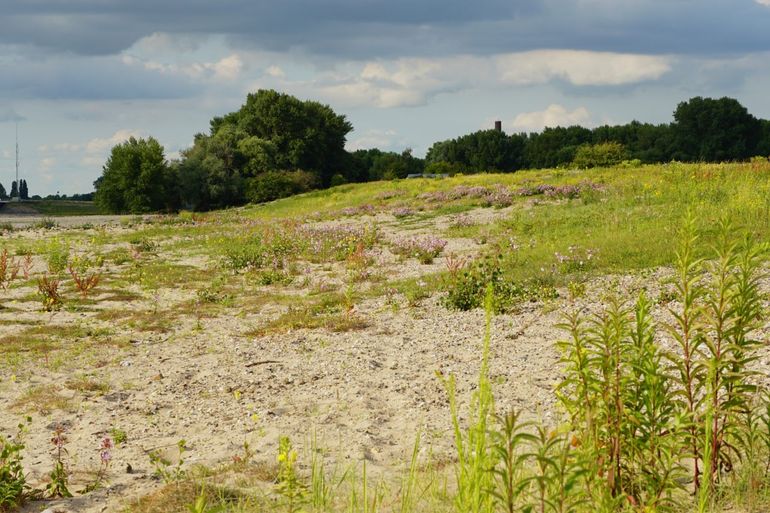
[17, 157]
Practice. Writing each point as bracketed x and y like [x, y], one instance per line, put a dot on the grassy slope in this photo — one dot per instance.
[631, 225]
[52, 208]
[66, 208]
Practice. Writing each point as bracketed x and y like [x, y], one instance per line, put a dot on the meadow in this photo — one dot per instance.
[552, 340]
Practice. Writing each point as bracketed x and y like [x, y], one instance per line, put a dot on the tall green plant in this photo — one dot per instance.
[732, 310]
[474, 457]
[687, 331]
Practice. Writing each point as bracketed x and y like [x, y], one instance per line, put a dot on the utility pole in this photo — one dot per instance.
[17, 154]
[18, 185]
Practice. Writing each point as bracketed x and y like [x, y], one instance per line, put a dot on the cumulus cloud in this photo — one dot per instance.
[101, 145]
[763, 2]
[275, 71]
[374, 138]
[553, 115]
[411, 81]
[580, 68]
[228, 68]
[404, 82]
[165, 43]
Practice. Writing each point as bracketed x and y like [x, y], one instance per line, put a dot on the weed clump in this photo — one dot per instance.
[13, 481]
[424, 249]
[466, 286]
[48, 290]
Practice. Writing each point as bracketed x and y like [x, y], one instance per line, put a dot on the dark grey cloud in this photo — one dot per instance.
[387, 28]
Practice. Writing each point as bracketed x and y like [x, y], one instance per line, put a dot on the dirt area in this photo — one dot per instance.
[32, 218]
[363, 394]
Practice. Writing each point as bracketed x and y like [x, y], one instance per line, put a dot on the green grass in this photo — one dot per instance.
[64, 207]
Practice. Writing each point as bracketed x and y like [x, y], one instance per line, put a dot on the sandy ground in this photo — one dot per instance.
[25, 220]
[364, 394]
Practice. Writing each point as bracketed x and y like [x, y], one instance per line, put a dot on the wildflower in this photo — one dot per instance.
[105, 454]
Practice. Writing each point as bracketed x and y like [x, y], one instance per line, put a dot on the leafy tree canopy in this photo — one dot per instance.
[714, 130]
[136, 179]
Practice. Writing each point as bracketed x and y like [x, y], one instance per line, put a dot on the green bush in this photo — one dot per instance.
[246, 253]
[599, 155]
[13, 483]
[443, 168]
[466, 289]
[273, 185]
[58, 256]
[337, 179]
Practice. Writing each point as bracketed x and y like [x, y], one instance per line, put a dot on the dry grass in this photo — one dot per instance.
[43, 399]
[87, 385]
[178, 497]
[308, 318]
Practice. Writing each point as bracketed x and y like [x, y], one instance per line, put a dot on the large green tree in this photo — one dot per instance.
[714, 130]
[271, 132]
[763, 146]
[485, 150]
[136, 179]
[556, 146]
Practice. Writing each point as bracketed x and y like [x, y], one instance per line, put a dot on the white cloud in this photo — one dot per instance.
[226, 69]
[763, 2]
[580, 68]
[275, 71]
[101, 145]
[47, 163]
[372, 139]
[413, 81]
[400, 83]
[553, 115]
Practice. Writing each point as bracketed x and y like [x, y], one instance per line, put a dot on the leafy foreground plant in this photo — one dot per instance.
[13, 482]
[647, 417]
[59, 475]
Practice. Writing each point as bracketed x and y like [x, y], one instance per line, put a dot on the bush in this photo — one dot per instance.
[273, 185]
[13, 483]
[337, 179]
[599, 155]
[466, 290]
[443, 168]
[424, 249]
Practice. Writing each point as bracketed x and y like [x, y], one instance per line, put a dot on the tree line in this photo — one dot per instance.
[18, 190]
[276, 145]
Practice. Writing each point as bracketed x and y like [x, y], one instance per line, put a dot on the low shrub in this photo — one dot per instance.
[466, 288]
[273, 185]
[599, 155]
[13, 481]
[424, 249]
[58, 254]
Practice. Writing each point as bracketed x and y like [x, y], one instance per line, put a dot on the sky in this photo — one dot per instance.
[79, 76]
